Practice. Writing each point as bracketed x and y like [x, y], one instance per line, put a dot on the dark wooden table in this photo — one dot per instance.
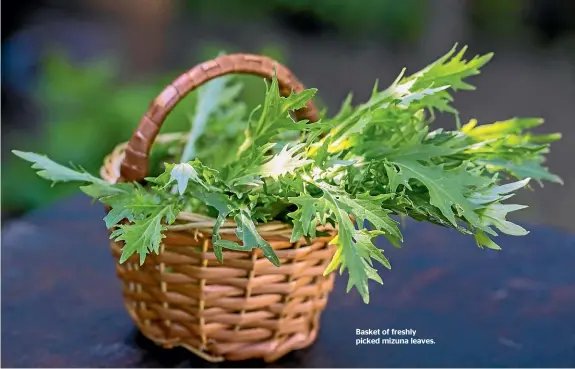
[61, 302]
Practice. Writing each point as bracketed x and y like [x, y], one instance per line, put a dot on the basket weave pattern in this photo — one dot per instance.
[241, 309]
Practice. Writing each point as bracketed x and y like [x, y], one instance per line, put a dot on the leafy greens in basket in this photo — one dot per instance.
[361, 166]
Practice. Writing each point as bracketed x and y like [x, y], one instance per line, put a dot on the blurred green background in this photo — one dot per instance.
[86, 113]
[68, 96]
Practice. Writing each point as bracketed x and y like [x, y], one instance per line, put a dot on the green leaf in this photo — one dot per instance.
[250, 238]
[311, 212]
[500, 129]
[527, 169]
[307, 212]
[367, 250]
[274, 119]
[144, 235]
[247, 233]
[483, 240]
[447, 188]
[451, 70]
[494, 215]
[356, 249]
[55, 172]
[496, 193]
[505, 146]
[365, 207]
[117, 196]
[98, 190]
[118, 213]
[296, 101]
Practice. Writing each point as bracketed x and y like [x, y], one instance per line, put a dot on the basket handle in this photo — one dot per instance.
[136, 160]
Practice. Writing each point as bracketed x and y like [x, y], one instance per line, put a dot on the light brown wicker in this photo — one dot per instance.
[241, 309]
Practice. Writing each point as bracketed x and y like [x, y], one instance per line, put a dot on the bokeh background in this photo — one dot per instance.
[77, 75]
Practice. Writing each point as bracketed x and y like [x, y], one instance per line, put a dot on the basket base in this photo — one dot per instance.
[269, 352]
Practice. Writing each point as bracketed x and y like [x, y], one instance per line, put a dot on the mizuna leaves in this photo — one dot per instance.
[359, 171]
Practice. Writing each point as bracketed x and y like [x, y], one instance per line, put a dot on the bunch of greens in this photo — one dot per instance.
[354, 170]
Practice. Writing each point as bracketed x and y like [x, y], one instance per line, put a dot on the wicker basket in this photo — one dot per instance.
[246, 307]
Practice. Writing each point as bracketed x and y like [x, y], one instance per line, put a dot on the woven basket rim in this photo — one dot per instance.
[110, 171]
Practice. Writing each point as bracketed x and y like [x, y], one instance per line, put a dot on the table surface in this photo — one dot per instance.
[62, 306]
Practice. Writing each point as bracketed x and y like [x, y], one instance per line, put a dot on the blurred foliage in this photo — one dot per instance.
[395, 20]
[497, 17]
[86, 112]
[398, 20]
[390, 20]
